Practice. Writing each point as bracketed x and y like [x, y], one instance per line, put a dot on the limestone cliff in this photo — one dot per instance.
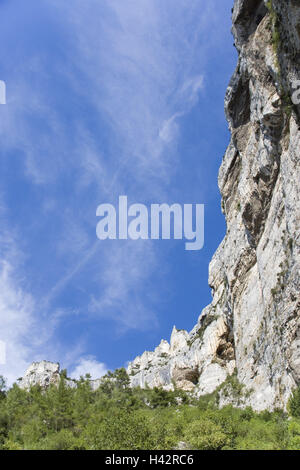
[250, 333]
[45, 373]
[252, 326]
[42, 373]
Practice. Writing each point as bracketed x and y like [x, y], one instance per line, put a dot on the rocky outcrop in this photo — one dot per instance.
[45, 373]
[42, 373]
[206, 353]
[252, 326]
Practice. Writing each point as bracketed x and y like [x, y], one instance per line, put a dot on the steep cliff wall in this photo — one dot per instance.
[251, 329]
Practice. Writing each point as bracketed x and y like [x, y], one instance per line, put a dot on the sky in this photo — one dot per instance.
[105, 98]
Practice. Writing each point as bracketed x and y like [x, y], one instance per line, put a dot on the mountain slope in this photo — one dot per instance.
[245, 346]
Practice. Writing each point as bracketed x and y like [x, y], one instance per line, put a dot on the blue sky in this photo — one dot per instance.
[104, 98]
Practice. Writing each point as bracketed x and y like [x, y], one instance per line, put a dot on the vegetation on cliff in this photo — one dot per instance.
[117, 417]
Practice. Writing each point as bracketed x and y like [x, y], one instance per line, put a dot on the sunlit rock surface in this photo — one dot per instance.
[42, 373]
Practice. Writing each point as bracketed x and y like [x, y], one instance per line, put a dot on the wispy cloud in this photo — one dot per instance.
[124, 277]
[17, 321]
[136, 85]
[187, 98]
[27, 333]
[18, 327]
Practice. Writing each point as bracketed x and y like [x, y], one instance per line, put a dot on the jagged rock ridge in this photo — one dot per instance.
[45, 373]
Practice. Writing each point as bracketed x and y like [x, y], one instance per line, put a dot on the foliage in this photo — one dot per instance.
[294, 403]
[2, 387]
[206, 435]
[118, 417]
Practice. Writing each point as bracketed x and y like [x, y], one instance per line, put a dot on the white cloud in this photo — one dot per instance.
[188, 96]
[16, 306]
[126, 295]
[190, 91]
[88, 365]
[17, 329]
[27, 334]
[141, 75]
[169, 129]
[25, 330]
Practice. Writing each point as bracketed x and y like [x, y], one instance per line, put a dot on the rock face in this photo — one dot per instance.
[42, 373]
[47, 373]
[252, 326]
[198, 362]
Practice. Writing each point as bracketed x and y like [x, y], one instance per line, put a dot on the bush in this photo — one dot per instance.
[62, 440]
[294, 430]
[120, 430]
[206, 435]
[294, 403]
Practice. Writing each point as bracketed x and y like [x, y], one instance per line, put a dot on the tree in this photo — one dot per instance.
[294, 403]
[161, 398]
[119, 377]
[119, 430]
[60, 406]
[2, 387]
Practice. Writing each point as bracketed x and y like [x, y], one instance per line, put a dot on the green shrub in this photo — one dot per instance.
[117, 417]
[294, 403]
[206, 435]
